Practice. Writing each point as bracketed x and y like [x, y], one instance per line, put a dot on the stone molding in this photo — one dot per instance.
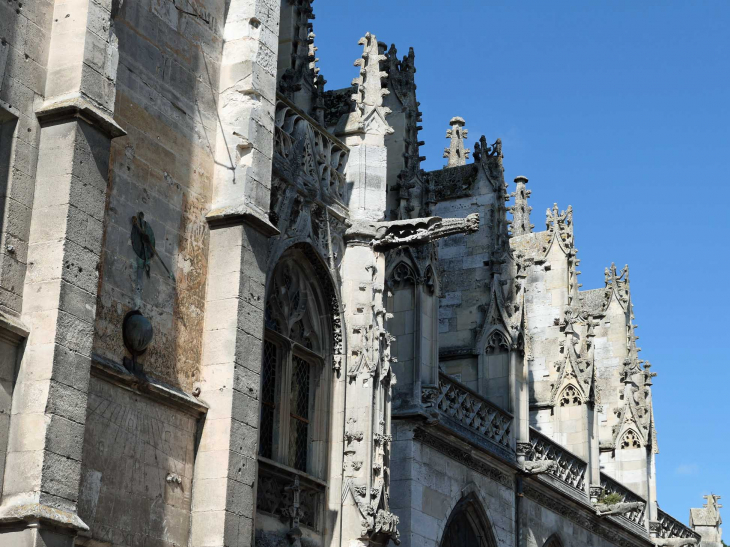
[448, 448]
[32, 513]
[585, 519]
[243, 213]
[146, 386]
[78, 106]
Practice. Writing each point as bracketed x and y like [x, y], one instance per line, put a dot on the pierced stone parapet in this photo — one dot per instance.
[610, 486]
[277, 487]
[568, 468]
[307, 155]
[666, 526]
[469, 409]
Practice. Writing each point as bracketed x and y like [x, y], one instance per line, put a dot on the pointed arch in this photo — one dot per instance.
[401, 274]
[630, 439]
[553, 541]
[468, 525]
[497, 340]
[570, 395]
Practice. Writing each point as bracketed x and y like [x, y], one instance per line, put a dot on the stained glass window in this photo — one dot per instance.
[268, 399]
[299, 414]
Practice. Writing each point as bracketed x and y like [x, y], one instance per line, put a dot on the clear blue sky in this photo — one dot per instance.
[619, 109]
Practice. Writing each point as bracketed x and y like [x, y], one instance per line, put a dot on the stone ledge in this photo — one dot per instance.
[36, 512]
[78, 106]
[147, 386]
[14, 327]
[233, 215]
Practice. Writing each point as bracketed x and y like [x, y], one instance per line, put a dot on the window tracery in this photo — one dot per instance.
[630, 440]
[293, 358]
[496, 343]
[570, 397]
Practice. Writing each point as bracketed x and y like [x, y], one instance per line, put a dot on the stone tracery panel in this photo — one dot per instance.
[570, 469]
[470, 410]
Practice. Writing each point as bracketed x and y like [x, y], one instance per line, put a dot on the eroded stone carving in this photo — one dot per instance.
[469, 409]
[568, 468]
[417, 231]
[456, 153]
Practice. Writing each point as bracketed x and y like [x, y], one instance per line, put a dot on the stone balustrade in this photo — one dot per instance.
[569, 469]
[666, 526]
[610, 486]
[307, 155]
[471, 412]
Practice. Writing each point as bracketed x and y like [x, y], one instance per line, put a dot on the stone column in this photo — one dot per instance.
[224, 487]
[42, 475]
[594, 463]
[521, 403]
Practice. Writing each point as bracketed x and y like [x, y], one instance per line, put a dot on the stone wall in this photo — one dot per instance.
[169, 61]
[462, 273]
[25, 33]
[427, 484]
[136, 478]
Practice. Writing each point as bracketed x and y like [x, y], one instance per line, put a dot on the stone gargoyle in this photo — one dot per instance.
[417, 231]
[539, 467]
[605, 509]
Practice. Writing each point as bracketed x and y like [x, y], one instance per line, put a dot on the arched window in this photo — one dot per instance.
[296, 349]
[553, 541]
[468, 526]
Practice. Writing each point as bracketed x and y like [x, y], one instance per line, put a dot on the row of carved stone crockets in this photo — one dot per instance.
[313, 159]
[469, 409]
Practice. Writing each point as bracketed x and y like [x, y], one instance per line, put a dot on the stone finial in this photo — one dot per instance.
[456, 153]
[370, 91]
[520, 224]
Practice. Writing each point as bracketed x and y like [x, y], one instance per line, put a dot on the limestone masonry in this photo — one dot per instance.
[235, 311]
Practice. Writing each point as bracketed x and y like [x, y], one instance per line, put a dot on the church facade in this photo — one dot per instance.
[236, 311]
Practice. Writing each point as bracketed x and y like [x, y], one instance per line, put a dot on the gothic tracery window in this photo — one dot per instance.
[630, 440]
[293, 358]
[570, 397]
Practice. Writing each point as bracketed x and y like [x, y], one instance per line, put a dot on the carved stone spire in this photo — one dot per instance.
[369, 91]
[520, 224]
[456, 153]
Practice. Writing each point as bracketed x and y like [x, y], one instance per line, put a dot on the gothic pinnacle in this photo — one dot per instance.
[521, 210]
[456, 153]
